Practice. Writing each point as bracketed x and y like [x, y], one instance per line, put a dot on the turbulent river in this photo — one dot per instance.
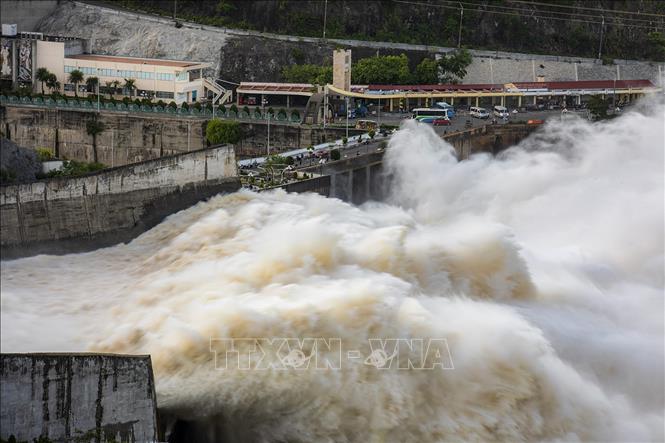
[541, 269]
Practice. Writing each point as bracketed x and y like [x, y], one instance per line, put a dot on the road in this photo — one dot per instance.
[353, 148]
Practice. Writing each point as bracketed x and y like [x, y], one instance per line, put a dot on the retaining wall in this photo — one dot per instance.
[77, 397]
[131, 137]
[61, 215]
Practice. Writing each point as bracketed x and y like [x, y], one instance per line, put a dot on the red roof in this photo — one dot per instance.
[277, 87]
[584, 84]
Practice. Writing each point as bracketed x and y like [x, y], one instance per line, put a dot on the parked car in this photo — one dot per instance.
[441, 122]
[479, 112]
[501, 112]
[321, 154]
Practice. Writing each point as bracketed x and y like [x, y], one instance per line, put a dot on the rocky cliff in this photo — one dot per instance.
[239, 55]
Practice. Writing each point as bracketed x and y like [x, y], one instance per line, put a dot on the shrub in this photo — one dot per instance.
[197, 106]
[290, 160]
[245, 109]
[371, 133]
[161, 103]
[184, 106]
[137, 102]
[345, 141]
[173, 105]
[234, 109]
[44, 154]
[295, 115]
[74, 168]
[7, 176]
[223, 131]
[335, 154]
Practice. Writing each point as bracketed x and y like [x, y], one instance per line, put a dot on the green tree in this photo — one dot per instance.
[598, 107]
[94, 128]
[109, 88]
[116, 85]
[656, 46]
[427, 72]
[130, 85]
[42, 76]
[92, 83]
[223, 131]
[453, 66]
[387, 69]
[76, 77]
[52, 83]
[335, 155]
[314, 74]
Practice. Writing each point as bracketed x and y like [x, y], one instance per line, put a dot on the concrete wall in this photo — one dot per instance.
[68, 214]
[26, 13]
[130, 138]
[77, 397]
[362, 178]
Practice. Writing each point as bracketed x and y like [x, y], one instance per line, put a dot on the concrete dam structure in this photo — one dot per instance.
[73, 214]
[362, 178]
[77, 397]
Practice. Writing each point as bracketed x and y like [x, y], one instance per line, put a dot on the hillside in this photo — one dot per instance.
[634, 29]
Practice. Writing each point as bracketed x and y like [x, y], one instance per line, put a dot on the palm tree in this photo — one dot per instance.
[130, 84]
[116, 85]
[93, 128]
[92, 83]
[76, 77]
[109, 86]
[43, 75]
[52, 83]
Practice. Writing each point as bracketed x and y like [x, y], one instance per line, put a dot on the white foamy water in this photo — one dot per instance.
[542, 269]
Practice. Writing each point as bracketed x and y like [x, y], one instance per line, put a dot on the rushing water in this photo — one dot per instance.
[542, 269]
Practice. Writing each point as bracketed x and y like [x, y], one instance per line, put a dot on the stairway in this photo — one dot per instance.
[221, 94]
[311, 114]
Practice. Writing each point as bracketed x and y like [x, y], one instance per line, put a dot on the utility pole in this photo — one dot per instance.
[378, 125]
[459, 35]
[614, 94]
[325, 13]
[600, 45]
[347, 118]
[325, 105]
[264, 102]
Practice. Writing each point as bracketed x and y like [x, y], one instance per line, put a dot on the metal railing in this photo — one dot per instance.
[204, 112]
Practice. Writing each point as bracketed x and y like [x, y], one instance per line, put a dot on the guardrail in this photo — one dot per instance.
[75, 104]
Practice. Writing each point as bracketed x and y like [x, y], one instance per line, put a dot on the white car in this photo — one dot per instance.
[479, 112]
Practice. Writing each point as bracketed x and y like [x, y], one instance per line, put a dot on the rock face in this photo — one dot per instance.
[19, 164]
[238, 55]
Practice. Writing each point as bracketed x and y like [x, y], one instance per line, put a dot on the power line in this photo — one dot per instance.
[523, 15]
[511, 8]
[604, 11]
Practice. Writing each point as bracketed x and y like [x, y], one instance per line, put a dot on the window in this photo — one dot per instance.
[69, 87]
[164, 76]
[183, 76]
[164, 94]
[69, 69]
